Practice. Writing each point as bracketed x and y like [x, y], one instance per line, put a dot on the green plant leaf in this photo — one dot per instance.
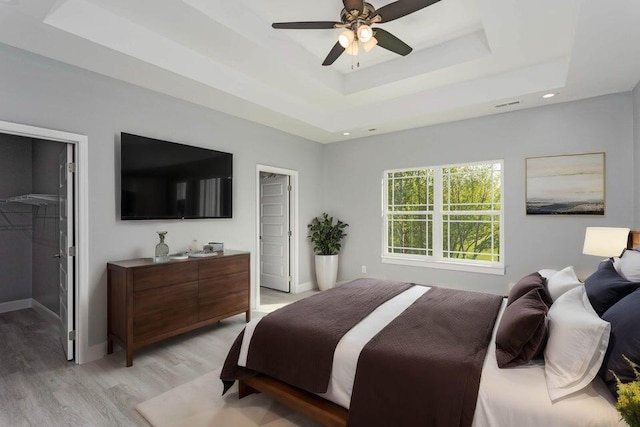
[326, 236]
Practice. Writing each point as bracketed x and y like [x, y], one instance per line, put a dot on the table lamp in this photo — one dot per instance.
[605, 241]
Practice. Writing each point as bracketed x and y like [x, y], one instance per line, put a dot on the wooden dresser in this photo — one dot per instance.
[149, 302]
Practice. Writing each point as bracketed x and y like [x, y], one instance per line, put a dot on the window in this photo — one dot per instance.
[445, 217]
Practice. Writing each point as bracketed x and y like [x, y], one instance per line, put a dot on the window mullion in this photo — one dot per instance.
[437, 213]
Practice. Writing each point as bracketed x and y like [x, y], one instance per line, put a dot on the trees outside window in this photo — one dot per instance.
[445, 214]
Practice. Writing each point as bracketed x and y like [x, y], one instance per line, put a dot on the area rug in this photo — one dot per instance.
[199, 403]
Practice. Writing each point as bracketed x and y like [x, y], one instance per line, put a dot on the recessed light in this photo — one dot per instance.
[346, 133]
[548, 95]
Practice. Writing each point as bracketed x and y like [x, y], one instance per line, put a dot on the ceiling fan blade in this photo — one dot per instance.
[334, 54]
[401, 8]
[391, 42]
[350, 5]
[312, 25]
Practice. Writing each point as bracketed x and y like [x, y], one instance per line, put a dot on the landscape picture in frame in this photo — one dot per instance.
[566, 185]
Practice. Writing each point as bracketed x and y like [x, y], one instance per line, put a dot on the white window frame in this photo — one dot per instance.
[437, 260]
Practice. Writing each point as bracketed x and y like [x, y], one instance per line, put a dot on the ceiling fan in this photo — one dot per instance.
[356, 18]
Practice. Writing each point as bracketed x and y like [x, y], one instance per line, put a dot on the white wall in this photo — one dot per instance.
[41, 92]
[636, 144]
[354, 169]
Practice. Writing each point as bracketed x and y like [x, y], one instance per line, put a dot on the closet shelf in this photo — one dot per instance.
[34, 199]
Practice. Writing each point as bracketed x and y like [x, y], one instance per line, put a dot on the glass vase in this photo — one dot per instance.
[162, 249]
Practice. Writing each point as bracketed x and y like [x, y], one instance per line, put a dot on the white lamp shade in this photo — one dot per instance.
[364, 33]
[346, 38]
[605, 241]
[352, 49]
[370, 44]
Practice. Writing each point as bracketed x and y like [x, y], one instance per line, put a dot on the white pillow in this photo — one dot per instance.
[578, 340]
[616, 265]
[561, 282]
[629, 266]
[547, 273]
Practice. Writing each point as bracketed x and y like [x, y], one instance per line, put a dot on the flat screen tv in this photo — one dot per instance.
[165, 180]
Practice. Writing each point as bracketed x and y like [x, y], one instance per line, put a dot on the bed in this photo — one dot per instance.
[513, 396]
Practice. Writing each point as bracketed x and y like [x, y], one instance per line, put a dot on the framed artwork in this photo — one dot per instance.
[566, 185]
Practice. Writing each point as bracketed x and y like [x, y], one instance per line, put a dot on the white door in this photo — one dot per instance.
[274, 232]
[65, 208]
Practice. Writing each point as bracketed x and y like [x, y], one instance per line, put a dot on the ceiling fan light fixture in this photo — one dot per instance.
[346, 38]
[365, 33]
[352, 49]
[370, 44]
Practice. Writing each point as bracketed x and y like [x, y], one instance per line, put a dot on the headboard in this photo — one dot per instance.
[634, 240]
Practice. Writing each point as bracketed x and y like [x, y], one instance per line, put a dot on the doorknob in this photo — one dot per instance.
[56, 256]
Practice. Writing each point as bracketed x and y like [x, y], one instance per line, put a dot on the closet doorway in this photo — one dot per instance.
[276, 254]
[38, 240]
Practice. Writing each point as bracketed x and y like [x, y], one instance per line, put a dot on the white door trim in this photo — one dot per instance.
[293, 248]
[81, 143]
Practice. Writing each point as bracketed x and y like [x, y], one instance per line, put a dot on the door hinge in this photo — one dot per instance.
[290, 279]
[71, 167]
[289, 187]
[289, 233]
[72, 251]
[72, 335]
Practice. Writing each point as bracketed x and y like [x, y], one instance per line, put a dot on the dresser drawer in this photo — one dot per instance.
[223, 295]
[159, 275]
[216, 287]
[161, 310]
[216, 267]
[233, 302]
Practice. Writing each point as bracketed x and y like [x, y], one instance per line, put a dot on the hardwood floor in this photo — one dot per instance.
[271, 300]
[38, 387]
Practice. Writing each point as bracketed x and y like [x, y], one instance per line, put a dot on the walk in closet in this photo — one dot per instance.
[29, 240]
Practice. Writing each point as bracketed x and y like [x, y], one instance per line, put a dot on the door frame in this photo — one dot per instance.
[293, 224]
[81, 208]
[284, 182]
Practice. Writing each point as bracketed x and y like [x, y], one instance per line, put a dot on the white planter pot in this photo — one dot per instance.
[326, 271]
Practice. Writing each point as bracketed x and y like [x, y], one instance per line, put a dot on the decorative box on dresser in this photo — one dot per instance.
[149, 302]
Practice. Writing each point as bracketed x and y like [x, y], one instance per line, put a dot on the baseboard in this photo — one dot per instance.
[20, 304]
[304, 287]
[95, 352]
[38, 306]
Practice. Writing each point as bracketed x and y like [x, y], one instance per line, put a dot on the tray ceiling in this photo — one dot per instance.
[469, 56]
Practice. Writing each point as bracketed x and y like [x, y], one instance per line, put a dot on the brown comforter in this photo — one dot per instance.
[296, 343]
[423, 369]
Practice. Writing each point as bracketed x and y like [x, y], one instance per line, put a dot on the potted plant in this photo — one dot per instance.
[628, 404]
[326, 238]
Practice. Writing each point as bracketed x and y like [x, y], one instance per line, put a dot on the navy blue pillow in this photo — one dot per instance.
[624, 317]
[605, 287]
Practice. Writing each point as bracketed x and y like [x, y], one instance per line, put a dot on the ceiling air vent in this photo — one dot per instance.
[508, 104]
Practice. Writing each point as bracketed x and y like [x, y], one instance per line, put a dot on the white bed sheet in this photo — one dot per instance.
[507, 397]
[519, 397]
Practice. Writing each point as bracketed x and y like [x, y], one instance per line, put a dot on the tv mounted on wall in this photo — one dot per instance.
[166, 180]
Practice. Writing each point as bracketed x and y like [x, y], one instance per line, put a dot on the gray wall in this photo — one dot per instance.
[353, 172]
[15, 219]
[40, 92]
[636, 143]
[45, 225]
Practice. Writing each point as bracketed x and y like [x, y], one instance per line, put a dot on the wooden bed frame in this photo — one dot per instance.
[313, 406]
